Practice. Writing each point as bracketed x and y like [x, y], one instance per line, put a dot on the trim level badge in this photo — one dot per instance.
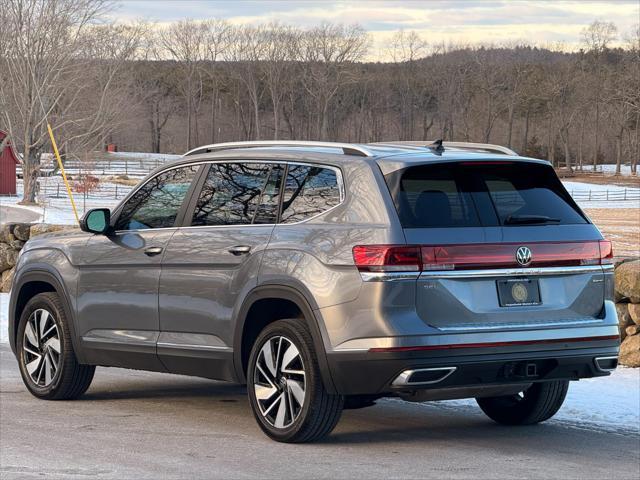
[523, 256]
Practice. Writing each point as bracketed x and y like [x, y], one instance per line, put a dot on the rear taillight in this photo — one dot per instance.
[387, 258]
[384, 258]
[606, 252]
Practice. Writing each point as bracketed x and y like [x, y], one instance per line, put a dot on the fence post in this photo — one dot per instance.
[58, 191]
[589, 195]
[607, 195]
[625, 193]
[116, 191]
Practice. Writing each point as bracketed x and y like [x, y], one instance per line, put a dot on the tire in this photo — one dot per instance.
[48, 364]
[538, 403]
[286, 393]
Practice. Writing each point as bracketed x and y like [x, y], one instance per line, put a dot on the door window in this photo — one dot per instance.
[232, 193]
[157, 202]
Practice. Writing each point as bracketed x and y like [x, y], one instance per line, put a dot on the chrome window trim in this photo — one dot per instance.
[337, 170]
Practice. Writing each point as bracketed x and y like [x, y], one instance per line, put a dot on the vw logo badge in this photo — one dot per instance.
[523, 256]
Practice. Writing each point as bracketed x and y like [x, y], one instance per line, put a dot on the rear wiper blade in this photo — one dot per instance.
[529, 219]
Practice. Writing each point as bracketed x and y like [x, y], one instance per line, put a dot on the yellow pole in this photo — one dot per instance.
[64, 175]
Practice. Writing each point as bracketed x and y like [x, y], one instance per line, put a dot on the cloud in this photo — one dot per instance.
[469, 22]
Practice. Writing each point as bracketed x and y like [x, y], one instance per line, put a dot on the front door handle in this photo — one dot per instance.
[240, 250]
[153, 251]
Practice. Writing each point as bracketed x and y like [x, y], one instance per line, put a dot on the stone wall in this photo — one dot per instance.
[628, 306]
[14, 235]
[12, 238]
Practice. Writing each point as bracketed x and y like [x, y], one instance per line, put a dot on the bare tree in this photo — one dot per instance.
[597, 38]
[186, 42]
[44, 65]
[329, 52]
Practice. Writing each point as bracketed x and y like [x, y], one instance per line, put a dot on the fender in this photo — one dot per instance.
[294, 295]
[42, 273]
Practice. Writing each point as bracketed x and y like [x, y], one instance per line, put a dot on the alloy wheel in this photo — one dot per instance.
[279, 382]
[41, 347]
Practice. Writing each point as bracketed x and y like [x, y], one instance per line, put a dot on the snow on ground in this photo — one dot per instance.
[610, 403]
[606, 403]
[4, 317]
[589, 195]
[609, 169]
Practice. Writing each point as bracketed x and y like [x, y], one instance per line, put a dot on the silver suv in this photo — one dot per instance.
[326, 276]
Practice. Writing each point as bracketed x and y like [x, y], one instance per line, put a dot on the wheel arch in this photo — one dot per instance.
[288, 296]
[29, 284]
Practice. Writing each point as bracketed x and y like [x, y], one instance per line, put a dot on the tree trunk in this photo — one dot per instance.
[525, 143]
[512, 114]
[596, 134]
[619, 151]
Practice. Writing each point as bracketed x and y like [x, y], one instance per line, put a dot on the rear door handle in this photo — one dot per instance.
[240, 250]
[153, 251]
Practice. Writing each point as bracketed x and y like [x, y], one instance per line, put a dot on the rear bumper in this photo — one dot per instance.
[371, 373]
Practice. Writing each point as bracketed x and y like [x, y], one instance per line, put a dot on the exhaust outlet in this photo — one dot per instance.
[422, 376]
[606, 364]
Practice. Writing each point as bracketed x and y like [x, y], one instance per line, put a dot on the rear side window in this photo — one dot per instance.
[481, 194]
[308, 191]
[232, 193]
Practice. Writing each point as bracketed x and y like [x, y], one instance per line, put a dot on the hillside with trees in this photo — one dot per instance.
[146, 87]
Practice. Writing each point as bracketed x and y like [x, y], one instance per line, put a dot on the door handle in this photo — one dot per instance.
[153, 251]
[240, 250]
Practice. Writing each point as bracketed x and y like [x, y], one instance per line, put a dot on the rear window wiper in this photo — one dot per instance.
[529, 219]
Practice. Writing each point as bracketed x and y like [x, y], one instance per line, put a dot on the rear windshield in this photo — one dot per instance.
[468, 194]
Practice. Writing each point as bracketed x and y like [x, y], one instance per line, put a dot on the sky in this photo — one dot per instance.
[542, 22]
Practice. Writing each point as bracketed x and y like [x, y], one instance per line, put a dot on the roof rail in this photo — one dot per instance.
[347, 148]
[463, 145]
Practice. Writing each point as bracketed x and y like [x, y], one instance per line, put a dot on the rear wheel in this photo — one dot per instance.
[48, 364]
[285, 388]
[538, 403]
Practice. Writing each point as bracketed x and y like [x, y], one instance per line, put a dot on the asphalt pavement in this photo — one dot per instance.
[133, 424]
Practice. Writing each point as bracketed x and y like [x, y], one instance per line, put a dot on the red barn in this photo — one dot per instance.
[8, 162]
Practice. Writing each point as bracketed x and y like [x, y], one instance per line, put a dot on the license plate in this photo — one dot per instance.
[518, 292]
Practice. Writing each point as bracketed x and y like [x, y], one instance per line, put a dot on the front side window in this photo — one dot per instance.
[308, 191]
[232, 193]
[157, 202]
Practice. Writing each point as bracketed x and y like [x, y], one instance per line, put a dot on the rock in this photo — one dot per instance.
[4, 257]
[16, 244]
[5, 233]
[630, 352]
[40, 228]
[12, 257]
[7, 278]
[628, 281]
[624, 319]
[634, 312]
[21, 231]
[632, 330]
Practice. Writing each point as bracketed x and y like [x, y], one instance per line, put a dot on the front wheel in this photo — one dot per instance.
[538, 403]
[285, 388]
[48, 364]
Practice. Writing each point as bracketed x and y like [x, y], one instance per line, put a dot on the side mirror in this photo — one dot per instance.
[96, 220]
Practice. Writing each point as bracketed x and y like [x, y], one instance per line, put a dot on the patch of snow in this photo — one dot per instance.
[609, 169]
[4, 317]
[589, 195]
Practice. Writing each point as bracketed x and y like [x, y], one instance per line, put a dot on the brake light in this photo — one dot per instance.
[385, 258]
[606, 252]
